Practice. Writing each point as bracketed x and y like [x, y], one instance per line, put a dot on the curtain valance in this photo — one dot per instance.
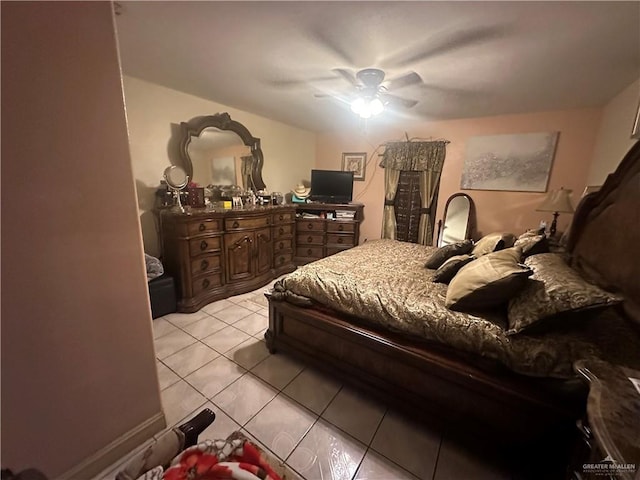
[416, 156]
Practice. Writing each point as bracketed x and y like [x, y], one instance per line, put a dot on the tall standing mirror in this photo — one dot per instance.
[216, 150]
[459, 217]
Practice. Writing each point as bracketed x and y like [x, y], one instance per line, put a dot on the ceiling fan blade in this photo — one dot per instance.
[394, 100]
[348, 75]
[330, 42]
[411, 78]
[287, 83]
[445, 43]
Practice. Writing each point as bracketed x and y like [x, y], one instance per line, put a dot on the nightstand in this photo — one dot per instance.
[610, 431]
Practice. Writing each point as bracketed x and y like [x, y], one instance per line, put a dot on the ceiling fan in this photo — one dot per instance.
[371, 93]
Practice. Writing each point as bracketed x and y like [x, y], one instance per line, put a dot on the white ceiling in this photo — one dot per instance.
[475, 58]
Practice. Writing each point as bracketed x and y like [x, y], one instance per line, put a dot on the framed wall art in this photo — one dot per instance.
[356, 163]
[513, 162]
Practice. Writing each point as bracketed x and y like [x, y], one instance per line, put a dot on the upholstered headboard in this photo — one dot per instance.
[604, 240]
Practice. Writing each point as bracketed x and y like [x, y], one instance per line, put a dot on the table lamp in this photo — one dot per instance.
[556, 201]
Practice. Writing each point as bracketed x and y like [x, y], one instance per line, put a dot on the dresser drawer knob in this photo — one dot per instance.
[206, 283]
[268, 220]
[340, 240]
[340, 228]
[235, 224]
[202, 227]
[203, 245]
[204, 265]
[309, 226]
[281, 260]
[281, 245]
[281, 231]
[309, 239]
[309, 252]
[281, 217]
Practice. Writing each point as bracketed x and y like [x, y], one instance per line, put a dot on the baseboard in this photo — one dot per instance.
[117, 449]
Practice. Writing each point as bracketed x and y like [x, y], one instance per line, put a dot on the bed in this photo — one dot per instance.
[478, 378]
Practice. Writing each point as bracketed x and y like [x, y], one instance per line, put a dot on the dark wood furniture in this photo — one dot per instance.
[422, 376]
[327, 233]
[609, 444]
[214, 254]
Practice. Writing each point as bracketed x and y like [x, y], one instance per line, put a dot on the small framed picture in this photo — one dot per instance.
[356, 163]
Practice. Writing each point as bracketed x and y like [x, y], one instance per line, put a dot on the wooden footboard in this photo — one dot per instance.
[420, 380]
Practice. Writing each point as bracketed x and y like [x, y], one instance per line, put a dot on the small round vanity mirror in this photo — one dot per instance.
[177, 179]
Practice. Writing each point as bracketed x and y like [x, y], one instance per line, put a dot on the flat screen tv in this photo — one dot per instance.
[331, 186]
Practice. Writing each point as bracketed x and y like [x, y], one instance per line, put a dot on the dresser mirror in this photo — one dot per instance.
[459, 214]
[218, 151]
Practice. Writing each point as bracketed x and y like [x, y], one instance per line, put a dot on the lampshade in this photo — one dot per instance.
[367, 107]
[557, 201]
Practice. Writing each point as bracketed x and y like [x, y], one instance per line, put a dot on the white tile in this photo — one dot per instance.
[376, 467]
[249, 353]
[217, 306]
[281, 424]
[313, 389]
[204, 327]
[282, 469]
[471, 458]
[278, 370]
[179, 400]
[253, 324]
[232, 314]
[243, 297]
[412, 445]
[172, 342]
[166, 377]
[215, 376]
[249, 305]
[264, 311]
[326, 453]
[356, 414]
[183, 319]
[245, 397]
[190, 359]
[222, 426]
[226, 339]
[161, 327]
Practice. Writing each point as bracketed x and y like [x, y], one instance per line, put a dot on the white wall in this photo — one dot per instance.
[78, 362]
[614, 136]
[154, 113]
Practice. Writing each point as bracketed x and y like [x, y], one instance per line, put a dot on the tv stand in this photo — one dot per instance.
[323, 229]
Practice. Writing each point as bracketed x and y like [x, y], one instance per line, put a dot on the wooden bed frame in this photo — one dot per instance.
[423, 378]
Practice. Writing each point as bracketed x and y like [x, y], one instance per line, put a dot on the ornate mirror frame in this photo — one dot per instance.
[222, 121]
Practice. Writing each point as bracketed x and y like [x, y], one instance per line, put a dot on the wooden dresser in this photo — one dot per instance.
[214, 254]
[321, 231]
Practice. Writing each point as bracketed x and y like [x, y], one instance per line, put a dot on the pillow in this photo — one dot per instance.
[554, 288]
[448, 269]
[442, 254]
[492, 243]
[488, 281]
[532, 244]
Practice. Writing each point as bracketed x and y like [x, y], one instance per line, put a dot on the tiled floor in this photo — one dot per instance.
[317, 428]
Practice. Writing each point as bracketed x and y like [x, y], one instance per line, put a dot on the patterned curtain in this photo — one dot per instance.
[425, 157]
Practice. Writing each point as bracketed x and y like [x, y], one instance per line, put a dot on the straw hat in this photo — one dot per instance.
[301, 191]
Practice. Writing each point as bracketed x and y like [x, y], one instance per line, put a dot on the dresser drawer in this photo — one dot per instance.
[310, 226]
[282, 259]
[282, 218]
[332, 250]
[198, 246]
[310, 239]
[283, 230]
[310, 251]
[337, 239]
[204, 226]
[231, 224]
[283, 245]
[338, 227]
[209, 263]
[208, 282]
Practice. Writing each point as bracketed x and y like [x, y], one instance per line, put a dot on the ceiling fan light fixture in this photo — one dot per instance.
[367, 108]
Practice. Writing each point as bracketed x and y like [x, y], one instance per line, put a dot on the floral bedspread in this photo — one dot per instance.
[385, 282]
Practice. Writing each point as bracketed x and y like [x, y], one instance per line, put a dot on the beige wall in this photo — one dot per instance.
[78, 368]
[510, 211]
[153, 111]
[614, 136]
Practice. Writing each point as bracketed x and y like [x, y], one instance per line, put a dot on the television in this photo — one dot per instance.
[331, 186]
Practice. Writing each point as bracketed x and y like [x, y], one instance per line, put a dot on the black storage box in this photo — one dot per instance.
[162, 292]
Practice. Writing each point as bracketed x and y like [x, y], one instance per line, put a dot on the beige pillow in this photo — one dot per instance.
[492, 243]
[488, 281]
[555, 288]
